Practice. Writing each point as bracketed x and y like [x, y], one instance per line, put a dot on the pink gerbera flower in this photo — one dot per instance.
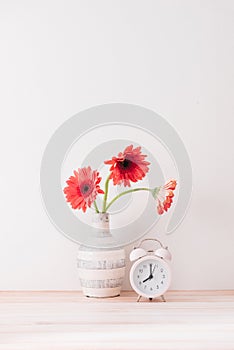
[128, 166]
[164, 195]
[83, 188]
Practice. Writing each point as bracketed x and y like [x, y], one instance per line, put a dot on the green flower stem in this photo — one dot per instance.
[106, 194]
[126, 192]
[95, 206]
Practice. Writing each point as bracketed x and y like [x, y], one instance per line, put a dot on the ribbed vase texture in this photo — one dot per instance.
[101, 271]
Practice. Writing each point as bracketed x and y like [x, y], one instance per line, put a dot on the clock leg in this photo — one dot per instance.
[163, 299]
[139, 297]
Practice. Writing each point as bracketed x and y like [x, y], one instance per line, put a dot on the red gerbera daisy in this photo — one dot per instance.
[83, 188]
[164, 195]
[128, 166]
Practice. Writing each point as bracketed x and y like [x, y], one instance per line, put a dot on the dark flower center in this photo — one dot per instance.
[85, 189]
[125, 163]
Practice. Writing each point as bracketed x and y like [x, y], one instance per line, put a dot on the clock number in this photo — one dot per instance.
[140, 270]
[138, 276]
[151, 288]
[163, 276]
[144, 266]
[161, 282]
[157, 286]
[161, 270]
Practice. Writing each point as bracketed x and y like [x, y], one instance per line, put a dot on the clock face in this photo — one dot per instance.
[150, 276]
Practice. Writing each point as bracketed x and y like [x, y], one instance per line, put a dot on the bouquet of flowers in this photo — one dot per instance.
[128, 167]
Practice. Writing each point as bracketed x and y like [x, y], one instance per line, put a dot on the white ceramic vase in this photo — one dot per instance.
[101, 270]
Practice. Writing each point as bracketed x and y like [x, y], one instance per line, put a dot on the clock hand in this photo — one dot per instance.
[153, 270]
[150, 276]
[151, 273]
[146, 280]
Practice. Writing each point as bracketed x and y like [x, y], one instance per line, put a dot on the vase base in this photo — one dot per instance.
[101, 292]
[113, 296]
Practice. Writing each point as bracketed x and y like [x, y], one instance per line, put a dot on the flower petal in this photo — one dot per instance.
[83, 188]
[129, 166]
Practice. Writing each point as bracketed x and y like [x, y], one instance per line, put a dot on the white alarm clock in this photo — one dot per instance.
[150, 275]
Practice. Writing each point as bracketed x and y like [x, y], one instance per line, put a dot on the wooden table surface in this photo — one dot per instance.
[70, 321]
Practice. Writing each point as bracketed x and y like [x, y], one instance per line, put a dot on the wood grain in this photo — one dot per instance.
[69, 321]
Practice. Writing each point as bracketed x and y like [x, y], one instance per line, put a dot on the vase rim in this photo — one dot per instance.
[100, 214]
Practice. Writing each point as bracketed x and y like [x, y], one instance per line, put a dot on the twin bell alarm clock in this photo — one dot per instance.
[150, 275]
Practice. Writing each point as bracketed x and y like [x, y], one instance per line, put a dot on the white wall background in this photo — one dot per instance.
[59, 57]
